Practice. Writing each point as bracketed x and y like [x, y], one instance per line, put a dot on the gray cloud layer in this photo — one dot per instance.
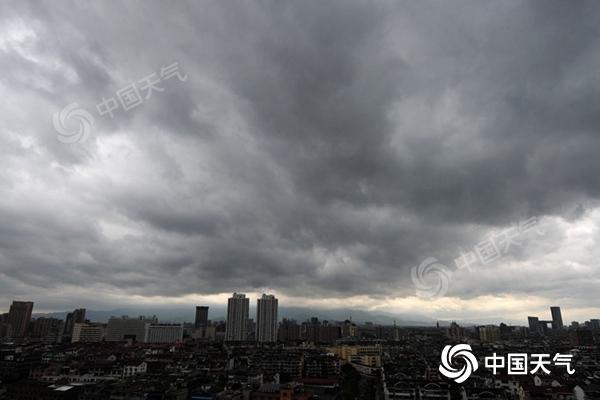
[317, 148]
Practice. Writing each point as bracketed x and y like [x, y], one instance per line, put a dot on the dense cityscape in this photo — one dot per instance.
[299, 200]
[265, 358]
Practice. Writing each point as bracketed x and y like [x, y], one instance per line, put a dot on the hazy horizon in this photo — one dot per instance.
[299, 314]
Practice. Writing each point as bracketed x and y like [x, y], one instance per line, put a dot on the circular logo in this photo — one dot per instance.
[73, 123]
[459, 351]
[431, 278]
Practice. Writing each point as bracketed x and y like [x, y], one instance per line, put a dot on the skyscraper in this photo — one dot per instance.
[266, 319]
[557, 322]
[19, 316]
[237, 317]
[75, 317]
[201, 317]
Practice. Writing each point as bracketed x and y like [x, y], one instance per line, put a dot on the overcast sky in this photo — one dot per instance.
[316, 150]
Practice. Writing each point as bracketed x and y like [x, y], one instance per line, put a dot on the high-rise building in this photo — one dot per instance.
[266, 319]
[201, 317]
[75, 317]
[237, 318]
[49, 330]
[557, 322]
[19, 317]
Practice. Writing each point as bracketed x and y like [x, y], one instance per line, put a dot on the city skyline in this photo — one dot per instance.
[239, 312]
[319, 152]
[300, 200]
[182, 309]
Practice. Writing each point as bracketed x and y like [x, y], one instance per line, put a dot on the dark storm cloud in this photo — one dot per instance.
[315, 148]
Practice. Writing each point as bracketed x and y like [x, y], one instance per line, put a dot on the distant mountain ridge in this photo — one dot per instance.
[300, 314]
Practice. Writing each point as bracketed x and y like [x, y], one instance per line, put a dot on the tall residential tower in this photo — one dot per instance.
[19, 317]
[237, 318]
[201, 320]
[557, 322]
[266, 319]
